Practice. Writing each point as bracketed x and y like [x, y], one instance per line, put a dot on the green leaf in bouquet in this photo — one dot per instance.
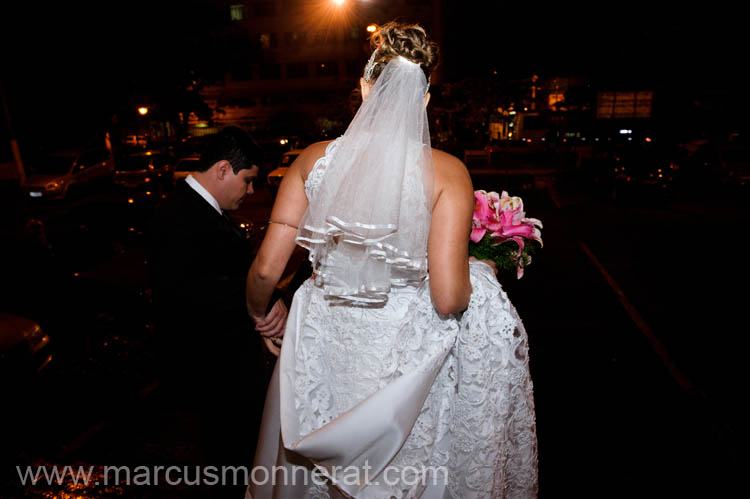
[505, 255]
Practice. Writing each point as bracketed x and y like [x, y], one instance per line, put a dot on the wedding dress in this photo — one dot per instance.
[394, 400]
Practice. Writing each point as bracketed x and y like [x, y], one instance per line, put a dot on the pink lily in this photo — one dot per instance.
[509, 218]
[482, 209]
[510, 203]
[503, 217]
[477, 233]
[511, 232]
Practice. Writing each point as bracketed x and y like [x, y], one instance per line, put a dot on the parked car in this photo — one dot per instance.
[193, 145]
[54, 175]
[185, 167]
[642, 169]
[134, 140]
[275, 177]
[24, 347]
[143, 169]
[735, 164]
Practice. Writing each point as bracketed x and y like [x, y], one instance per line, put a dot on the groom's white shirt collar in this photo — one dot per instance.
[197, 187]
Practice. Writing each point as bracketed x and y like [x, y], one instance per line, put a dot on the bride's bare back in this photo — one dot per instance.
[453, 205]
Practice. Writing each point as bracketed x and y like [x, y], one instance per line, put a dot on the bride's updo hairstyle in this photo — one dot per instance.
[407, 40]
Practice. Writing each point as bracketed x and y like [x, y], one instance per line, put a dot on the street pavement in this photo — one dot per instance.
[633, 316]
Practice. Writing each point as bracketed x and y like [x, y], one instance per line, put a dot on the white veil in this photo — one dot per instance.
[367, 224]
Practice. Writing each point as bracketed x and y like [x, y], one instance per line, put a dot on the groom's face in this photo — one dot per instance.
[236, 187]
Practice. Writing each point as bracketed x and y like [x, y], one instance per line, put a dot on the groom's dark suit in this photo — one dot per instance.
[210, 353]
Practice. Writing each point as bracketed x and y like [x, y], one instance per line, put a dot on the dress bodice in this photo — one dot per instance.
[315, 177]
[380, 264]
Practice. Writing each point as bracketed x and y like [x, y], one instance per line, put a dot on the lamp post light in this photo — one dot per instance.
[143, 111]
[372, 28]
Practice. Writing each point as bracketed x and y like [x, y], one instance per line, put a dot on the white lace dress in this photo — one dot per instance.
[398, 401]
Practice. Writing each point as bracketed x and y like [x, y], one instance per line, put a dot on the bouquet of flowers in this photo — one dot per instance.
[501, 232]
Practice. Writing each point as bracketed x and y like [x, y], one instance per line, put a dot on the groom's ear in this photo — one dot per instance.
[222, 168]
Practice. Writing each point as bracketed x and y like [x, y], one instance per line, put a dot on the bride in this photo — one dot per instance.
[404, 368]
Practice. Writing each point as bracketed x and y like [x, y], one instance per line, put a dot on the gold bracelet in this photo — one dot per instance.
[282, 223]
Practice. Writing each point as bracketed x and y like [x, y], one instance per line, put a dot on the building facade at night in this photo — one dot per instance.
[298, 62]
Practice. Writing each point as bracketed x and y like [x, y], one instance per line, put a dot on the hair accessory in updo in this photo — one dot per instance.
[370, 66]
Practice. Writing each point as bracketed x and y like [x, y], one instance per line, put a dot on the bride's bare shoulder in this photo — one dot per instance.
[307, 158]
[449, 171]
[315, 151]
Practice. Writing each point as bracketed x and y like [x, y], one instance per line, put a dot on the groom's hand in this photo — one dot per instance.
[273, 346]
[274, 323]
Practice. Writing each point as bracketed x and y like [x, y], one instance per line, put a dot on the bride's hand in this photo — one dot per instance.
[488, 262]
[274, 323]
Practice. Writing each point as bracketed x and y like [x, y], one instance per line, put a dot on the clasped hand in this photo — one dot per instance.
[271, 327]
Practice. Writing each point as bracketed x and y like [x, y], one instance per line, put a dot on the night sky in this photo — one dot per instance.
[639, 40]
[70, 64]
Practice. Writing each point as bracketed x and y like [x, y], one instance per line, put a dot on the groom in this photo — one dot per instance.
[211, 354]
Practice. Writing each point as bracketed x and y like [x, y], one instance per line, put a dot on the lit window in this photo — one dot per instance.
[237, 12]
[556, 98]
[265, 40]
[624, 104]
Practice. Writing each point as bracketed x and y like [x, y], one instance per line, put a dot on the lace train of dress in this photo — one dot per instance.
[400, 402]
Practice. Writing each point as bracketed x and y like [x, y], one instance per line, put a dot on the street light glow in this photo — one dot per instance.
[372, 28]
[339, 2]
[143, 111]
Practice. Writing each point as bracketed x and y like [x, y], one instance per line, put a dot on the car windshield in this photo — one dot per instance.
[288, 159]
[187, 165]
[133, 163]
[53, 165]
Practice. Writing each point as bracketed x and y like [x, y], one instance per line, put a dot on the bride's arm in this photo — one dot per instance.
[448, 245]
[278, 244]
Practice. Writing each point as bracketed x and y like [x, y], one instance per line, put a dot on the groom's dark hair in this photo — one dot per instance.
[234, 145]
